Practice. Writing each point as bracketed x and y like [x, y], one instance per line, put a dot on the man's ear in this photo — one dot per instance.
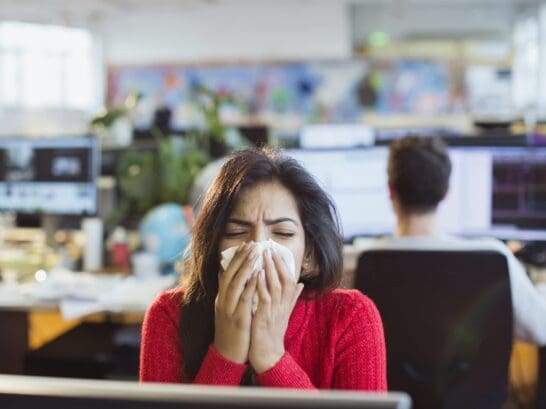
[392, 192]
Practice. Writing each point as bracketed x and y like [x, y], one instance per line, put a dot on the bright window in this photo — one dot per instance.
[526, 63]
[43, 66]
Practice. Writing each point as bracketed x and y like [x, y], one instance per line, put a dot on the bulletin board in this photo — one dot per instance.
[303, 92]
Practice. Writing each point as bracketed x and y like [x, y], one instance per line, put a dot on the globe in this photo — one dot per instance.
[165, 231]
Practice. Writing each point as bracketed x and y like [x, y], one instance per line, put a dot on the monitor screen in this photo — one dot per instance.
[336, 136]
[49, 175]
[24, 392]
[494, 191]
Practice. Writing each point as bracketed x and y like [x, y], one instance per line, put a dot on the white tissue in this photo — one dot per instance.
[284, 252]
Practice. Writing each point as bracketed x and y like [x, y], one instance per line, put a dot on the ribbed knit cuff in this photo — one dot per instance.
[285, 374]
[218, 370]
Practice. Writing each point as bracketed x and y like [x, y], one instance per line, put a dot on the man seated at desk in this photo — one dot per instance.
[418, 177]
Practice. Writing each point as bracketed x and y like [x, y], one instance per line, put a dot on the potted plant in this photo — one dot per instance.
[113, 126]
[147, 179]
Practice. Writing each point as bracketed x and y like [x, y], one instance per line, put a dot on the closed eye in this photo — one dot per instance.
[234, 233]
[284, 234]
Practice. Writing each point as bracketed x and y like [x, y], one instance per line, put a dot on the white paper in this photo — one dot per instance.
[80, 294]
[72, 309]
[284, 252]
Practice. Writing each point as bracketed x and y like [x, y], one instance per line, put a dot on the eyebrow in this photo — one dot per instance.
[267, 222]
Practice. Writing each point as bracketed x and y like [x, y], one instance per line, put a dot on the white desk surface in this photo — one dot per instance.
[78, 294]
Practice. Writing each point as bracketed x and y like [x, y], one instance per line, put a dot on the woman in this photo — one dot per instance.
[206, 331]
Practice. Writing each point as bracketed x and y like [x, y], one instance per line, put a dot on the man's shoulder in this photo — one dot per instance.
[441, 242]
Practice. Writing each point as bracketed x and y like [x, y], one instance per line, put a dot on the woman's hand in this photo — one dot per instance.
[278, 294]
[232, 318]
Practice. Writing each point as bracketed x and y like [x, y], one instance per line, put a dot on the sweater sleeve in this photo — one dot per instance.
[160, 356]
[217, 370]
[360, 361]
[286, 374]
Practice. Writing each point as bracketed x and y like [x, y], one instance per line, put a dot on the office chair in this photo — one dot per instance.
[447, 317]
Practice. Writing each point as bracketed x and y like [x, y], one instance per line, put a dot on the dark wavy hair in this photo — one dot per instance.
[245, 169]
[419, 170]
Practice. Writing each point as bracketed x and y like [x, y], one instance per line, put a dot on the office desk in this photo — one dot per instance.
[541, 384]
[81, 297]
[16, 325]
[14, 334]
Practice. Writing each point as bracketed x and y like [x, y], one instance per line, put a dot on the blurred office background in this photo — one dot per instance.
[115, 114]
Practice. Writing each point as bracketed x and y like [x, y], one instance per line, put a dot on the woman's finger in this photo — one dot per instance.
[264, 304]
[236, 262]
[245, 300]
[272, 277]
[285, 277]
[225, 276]
[233, 290]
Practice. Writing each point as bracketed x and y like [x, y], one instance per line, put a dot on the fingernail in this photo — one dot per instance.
[262, 274]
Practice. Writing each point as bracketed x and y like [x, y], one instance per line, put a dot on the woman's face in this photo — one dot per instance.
[266, 211]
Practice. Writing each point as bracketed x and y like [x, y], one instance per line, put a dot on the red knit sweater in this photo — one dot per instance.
[335, 342]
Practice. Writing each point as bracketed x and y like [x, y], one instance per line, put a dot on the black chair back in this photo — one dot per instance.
[448, 323]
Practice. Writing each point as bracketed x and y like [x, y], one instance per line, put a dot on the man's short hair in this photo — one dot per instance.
[419, 170]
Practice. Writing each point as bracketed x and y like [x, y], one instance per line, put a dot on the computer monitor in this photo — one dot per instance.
[494, 191]
[336, 136]
[56, 176]
[24, 392]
